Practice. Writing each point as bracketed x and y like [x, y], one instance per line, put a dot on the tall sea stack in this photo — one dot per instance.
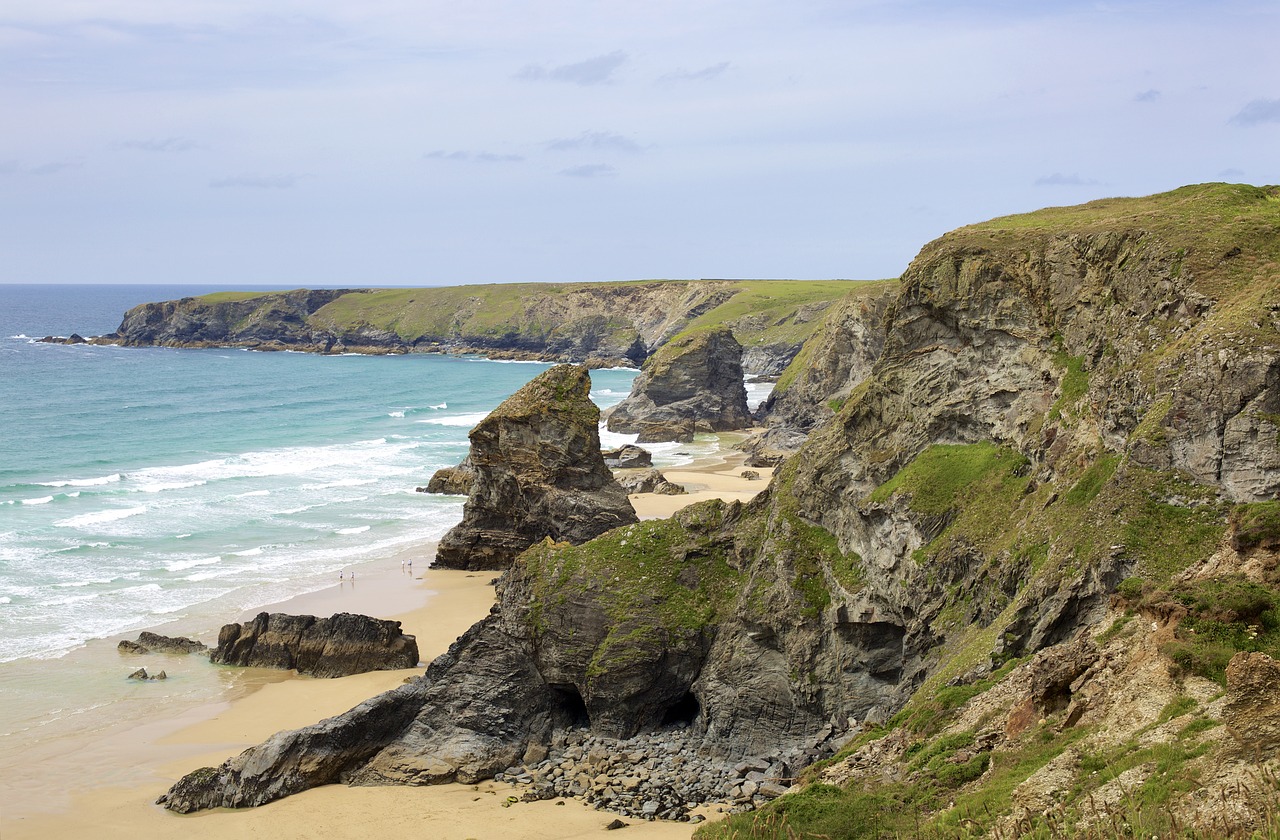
[539, 474]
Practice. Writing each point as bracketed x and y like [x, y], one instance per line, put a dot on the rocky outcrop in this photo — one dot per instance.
[1008, 460]
[538, 474]
[1252, 711]
[694, 381]
[154, 643]
[337, 646]
[836, 360]
[626, 457]
[650, 481]
[452, 481]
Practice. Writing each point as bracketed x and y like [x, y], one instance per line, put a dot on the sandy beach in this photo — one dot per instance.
[435, 606]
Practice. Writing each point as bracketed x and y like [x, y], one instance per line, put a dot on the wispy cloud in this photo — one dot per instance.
[593, 71]
[1057, 179]
[54, 167]
[590, 170]
[706, 74]
[169, 144]
[1231, 174]
[1147, 96]
[1257, 112]
[256, 182]
[597, 141]
[482, 157]
[8, 167]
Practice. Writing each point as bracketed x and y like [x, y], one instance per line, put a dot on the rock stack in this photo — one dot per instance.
[538, 473]
[693, 383]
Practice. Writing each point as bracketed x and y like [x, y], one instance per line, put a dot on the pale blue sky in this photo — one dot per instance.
[298, 142]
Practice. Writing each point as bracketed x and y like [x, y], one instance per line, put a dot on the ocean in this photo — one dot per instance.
[180, 489]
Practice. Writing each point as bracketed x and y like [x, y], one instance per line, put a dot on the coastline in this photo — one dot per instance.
[434, 605]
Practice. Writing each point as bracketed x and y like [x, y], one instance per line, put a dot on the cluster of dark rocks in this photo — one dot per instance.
[658, 775]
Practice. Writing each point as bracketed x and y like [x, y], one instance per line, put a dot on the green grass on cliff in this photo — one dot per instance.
[772, 311]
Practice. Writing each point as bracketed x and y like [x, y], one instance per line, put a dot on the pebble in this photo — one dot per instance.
[657, 775]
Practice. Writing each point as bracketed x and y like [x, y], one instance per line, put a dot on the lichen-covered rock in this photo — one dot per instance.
[538, 473]
[337, 646]
[696, 377]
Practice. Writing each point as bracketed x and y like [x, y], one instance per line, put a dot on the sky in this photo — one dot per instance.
[420, 142]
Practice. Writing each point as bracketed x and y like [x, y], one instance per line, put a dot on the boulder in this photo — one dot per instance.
[1252, 711]
[650, 481]
[337, 646]
[696, 378]
[626, 457]
[155, 643]
[539, 474]
[452, 481]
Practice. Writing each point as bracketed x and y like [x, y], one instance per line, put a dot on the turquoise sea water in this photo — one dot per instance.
[138, 485]
[181, 489]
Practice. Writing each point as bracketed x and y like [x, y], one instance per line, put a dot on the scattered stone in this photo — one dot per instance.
[750, 475]
[142, 675]
[615, 825]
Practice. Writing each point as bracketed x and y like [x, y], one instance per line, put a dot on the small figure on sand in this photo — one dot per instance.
[340, 575]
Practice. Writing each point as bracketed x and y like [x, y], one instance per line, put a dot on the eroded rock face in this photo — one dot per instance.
[539, 473]
[627, 456]
[337, 646]
[694, 380]
[1252, 712]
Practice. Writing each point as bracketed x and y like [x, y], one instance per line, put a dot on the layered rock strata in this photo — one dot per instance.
[148, 642]
[693, 383]
[538, 474]
[338, 646]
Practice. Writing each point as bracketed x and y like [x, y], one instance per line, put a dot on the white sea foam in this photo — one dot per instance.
[43, 500]
[457, 419]
[161, 486]
[5, 599]
[439, 407]
[252, 493]
[357, 530]
[395, 413]
[344, 482]
[82, 482]
[252, 552]
[99, 517]
[179, 565]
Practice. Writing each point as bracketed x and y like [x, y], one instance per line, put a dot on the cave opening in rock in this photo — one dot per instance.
[683, 711]
[570, 705]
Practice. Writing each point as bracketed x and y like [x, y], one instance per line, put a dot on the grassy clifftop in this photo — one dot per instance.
[579, 322]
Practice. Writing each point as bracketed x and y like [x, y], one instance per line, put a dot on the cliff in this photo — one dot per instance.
[599, 324]
[1071, 423]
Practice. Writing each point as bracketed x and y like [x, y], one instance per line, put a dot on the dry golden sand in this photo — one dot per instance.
[447, 603]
